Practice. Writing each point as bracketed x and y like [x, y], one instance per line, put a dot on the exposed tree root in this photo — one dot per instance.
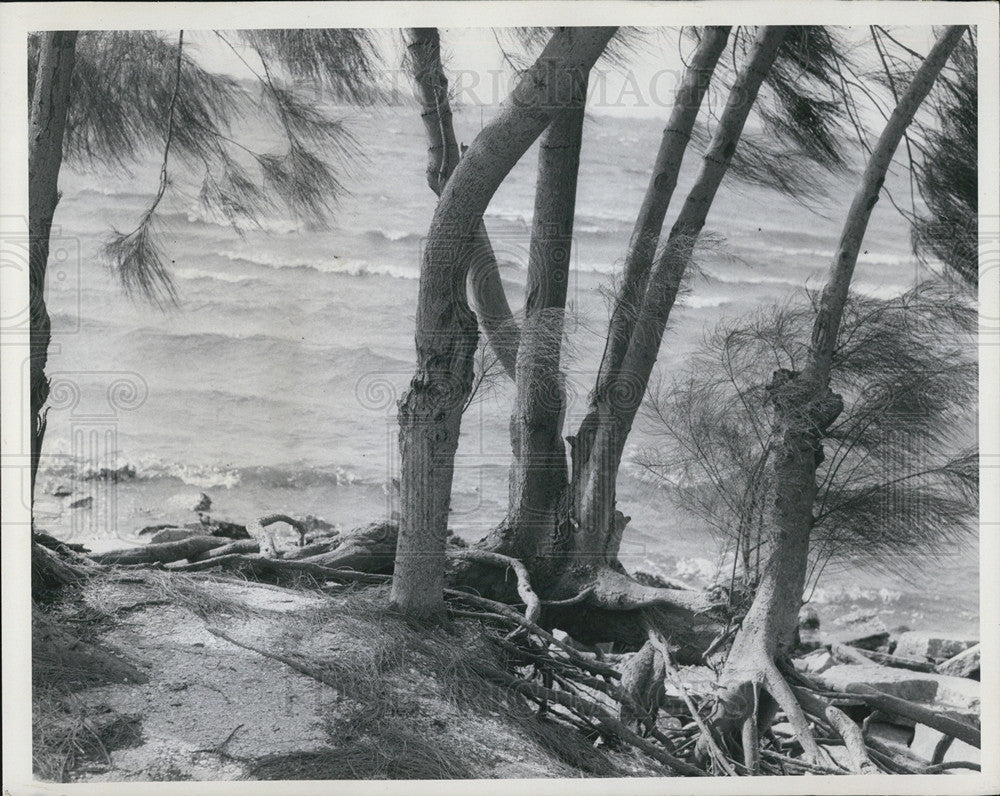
[578, 688]
[533, 605]
[618, 592]
[609, 722]
[718, 756]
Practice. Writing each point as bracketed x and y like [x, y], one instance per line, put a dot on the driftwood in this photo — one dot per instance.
[239, 546]
[313, 549]
[276, 568]
[369, 549]
[161, 553]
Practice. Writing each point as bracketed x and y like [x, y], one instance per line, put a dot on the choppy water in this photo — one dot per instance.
[272, 385]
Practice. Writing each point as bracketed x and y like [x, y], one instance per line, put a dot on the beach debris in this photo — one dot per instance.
[368, 549]
[153, 528]
[936, 747]
[82, 503]
[932, 646]
[172, 535]
[204, 503]
[956, 694]
[863, 629]
[49, 541]
[160, 553]
[226, 528]
[965, 664]
[815, 662]
[240, 547]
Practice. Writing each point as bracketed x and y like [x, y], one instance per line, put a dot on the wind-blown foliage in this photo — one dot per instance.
[900, 472]
[800, 113]
[948, 177]
[136, 92]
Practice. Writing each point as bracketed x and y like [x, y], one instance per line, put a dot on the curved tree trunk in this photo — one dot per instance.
[489, 298]
[804, 407]
[49, 104]
[539, 476]
[596, 466]
[430, 412]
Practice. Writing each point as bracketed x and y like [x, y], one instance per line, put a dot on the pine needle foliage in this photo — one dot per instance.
[948, 176]
[796, 138]
[140, 92]
[899, 476]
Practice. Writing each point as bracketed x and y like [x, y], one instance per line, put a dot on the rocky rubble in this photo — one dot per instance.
[935, 671]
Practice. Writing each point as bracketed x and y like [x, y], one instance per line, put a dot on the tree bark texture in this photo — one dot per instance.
[596, 464]
[446, 331]
[803, 403]
[489, 298]
[804, 407]
[47, 124]
[539, 476]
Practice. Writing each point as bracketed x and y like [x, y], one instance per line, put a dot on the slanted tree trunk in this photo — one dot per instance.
[649, 223]
[539, 476]
[446, 333]
[49, 105]
[804, 407]
[596, 463]
[581, 547]
[489, 298]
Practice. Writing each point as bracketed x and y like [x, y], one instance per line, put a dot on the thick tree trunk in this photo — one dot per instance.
[649, 223]
[596, 465]
[49, 104]
[489, 298]
[804, 407]
[430, 412]
[539, 476]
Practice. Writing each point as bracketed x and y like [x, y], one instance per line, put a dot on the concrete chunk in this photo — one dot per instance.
[956, 694]
[931, 646]
[965, 664]
[862, 629]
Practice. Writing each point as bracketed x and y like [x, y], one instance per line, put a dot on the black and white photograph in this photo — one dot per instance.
[576, 396]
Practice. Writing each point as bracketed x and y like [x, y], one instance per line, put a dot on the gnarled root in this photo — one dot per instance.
[739, 702]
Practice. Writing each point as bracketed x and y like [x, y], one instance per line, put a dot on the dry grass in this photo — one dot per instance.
[417, 701]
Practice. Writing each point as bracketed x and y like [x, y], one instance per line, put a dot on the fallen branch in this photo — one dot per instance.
[506, 611]
[674, 675]
[241, 546]
[594, 711]
[161, 553]
[910, 710]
